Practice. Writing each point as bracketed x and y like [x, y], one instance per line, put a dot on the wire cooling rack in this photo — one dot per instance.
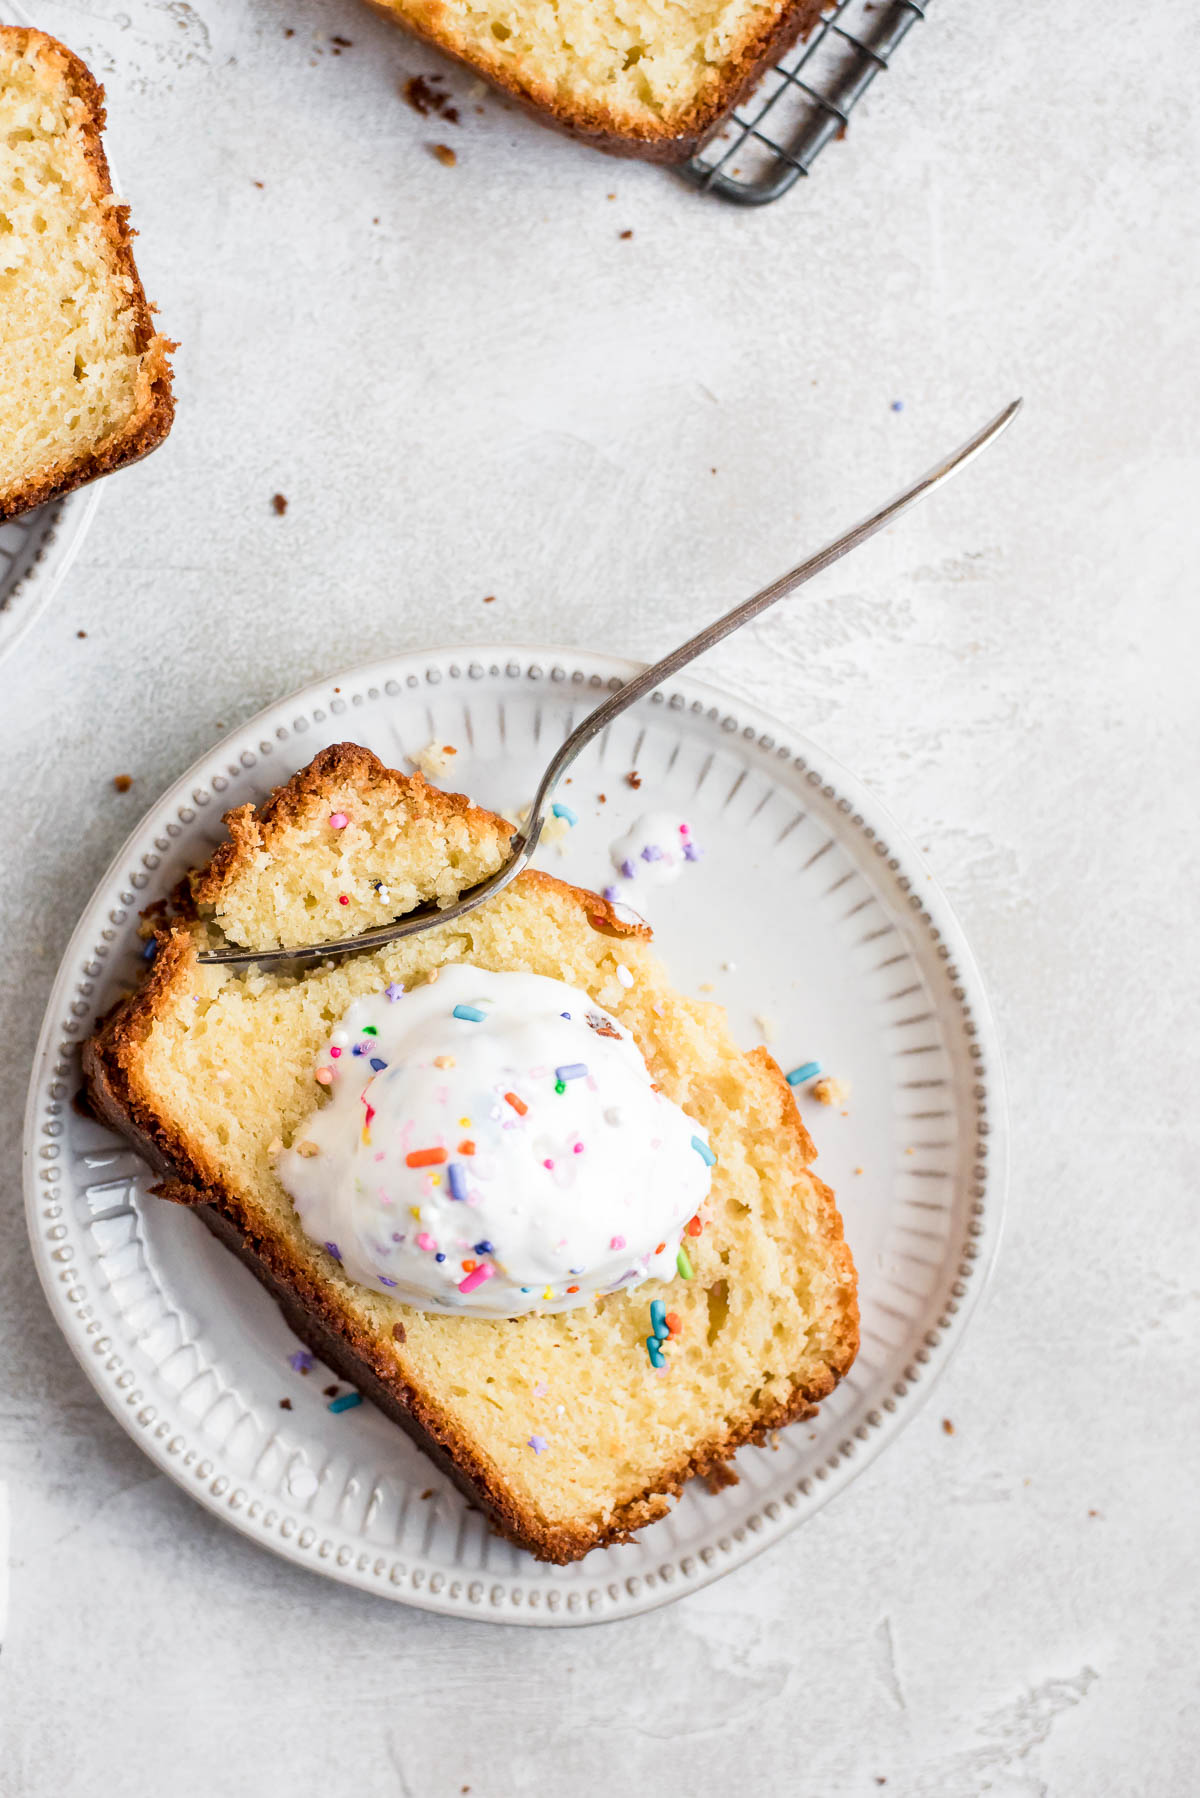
[778, 132]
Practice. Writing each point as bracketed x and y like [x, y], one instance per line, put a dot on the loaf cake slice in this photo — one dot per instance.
[634, 77]
[208, 1070]
[85, 384]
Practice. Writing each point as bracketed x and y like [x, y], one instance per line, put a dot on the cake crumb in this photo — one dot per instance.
[81, 633]
[721, 1476]
[275, 1146]
[278, 504]
[421, 92]
[307, 1149]
[428, 1492]
[434, 760]
[400, 1333]
[122, 782]
[706, 986]
[489, 599]
[633, 779]
[625, 234]
[947, 1427]
[828, 1091]
[330, 1391]
[766, 1026]
[285, 1404]
[444, 154]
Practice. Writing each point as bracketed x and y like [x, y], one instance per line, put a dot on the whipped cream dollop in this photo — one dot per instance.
[493, 1144]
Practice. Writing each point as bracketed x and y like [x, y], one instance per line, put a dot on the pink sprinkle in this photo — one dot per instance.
[579, 1148]
[425, 1241]
[541, 1389]
[618, 1242]
[685, 830]
[476, 1277]
[338, 820]
[343, 899]
[334, 1053]
[547, 1164]
[323, 1077]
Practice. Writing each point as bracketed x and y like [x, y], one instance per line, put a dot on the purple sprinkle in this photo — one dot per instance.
[610, 894]
[652, 853]
[627, 869]
[574, 1070]
[378, 1063]
[334, 1250]
[565, 1014]
[301, 1361]
[392, 992]
[397, 1236]
[897, 405]
[691, 853]
[384, 1281]
[538, 1444]
[456, 1174]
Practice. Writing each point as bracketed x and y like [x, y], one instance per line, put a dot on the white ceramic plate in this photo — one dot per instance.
[36, 551]
[838, 934]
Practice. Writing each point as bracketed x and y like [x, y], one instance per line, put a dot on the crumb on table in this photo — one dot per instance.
[947, 1427]
[122, 782]
[633, 779]
[445, 155]
[279, 504]
[828, 1091]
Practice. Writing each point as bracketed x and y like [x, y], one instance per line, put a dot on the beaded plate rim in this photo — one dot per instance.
[55, 1234]
[57, 530]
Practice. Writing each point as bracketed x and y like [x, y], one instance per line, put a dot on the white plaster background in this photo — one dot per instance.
[489, 392]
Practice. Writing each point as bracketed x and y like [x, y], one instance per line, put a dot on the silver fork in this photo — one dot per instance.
[427, 917]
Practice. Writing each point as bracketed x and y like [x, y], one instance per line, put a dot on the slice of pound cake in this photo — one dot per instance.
[85, 384]
[634, 77]
[530, 1200]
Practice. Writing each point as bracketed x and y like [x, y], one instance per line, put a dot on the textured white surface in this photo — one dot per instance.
[490, 393]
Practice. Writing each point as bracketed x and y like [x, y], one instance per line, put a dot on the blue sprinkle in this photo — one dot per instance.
[808, 1071]
[574, 1070]
[897, 405]
[347, 1401]
[658, 1319]
[470, 1014]
[334, 1250]
[378, 1064]
[359, 1049]
[691, 853]
[301, 1361]
[439, 1256]
[657, 1358]
[705, 1153]
[384, 1281]
[565, 1014]
[564, 811]
[484, 1247]
[457, 1176]
[527, 1289]
[151, 949]
[652, 853]
[627, 869]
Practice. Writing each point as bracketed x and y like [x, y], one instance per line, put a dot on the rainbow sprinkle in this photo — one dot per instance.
[347, 1402]
[538, 1444]
[657, 1358]
[808, 1071]
[683, 1263]
[476, 1277]
[705, 1153]
[457, 1177]
[574, 1070]
[565, 812]
[470, 1014]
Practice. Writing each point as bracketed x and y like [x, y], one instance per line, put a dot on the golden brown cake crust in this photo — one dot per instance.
[665, 143]
[152, 420]
[253, 829]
